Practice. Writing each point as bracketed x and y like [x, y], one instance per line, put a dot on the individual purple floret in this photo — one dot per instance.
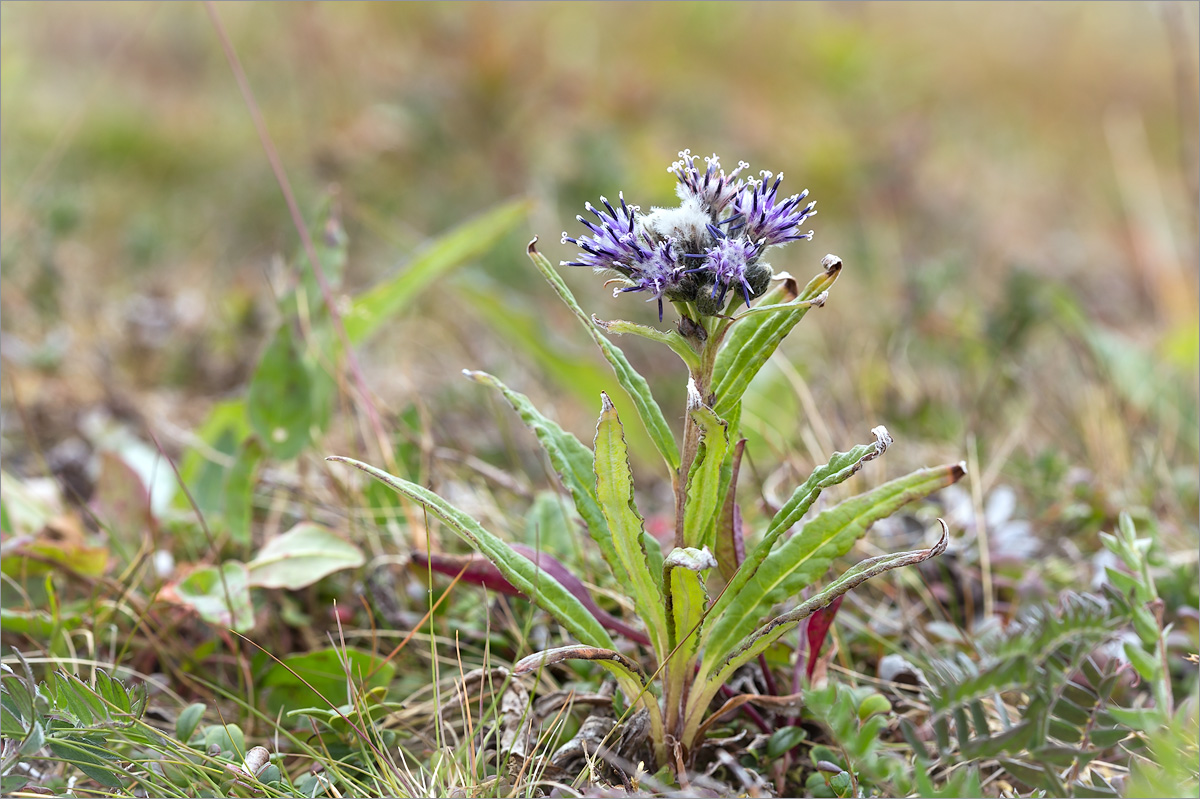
[712, 187]
[767, 222]
[726, 262]
[613, 243]
[657, 274]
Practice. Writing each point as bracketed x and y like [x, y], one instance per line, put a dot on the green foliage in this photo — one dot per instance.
[376, 306]
[292, 391]
[113, 198]
[221, 596]
[704, 495]
[571, 459]
[669, 594]
[301, 557]
[855, 718]
[1168, 767]
[321, 678]
[74, 722]
[802, 559]
[634, 384]
[1023, 703]
[1042, 703]
[533, 582]
[756, 337]
[614, 490]
[280, 401]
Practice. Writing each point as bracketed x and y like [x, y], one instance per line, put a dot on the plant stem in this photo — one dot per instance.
[701, 378]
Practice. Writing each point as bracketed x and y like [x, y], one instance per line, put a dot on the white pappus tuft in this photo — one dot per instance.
[689, 222]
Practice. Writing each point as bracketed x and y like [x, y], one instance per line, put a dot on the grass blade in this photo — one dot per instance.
[376, 305]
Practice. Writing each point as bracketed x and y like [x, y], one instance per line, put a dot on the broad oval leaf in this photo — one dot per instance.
[301, 556]
[219, 597]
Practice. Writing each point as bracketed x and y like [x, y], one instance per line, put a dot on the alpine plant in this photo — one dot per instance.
[714, 599]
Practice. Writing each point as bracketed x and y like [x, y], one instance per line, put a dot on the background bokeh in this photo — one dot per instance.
[1013, 188]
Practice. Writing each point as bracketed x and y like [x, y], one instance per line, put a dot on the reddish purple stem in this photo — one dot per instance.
[481, 571]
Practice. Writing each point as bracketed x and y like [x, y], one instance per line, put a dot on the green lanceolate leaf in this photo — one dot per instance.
[840, 468]
[546, 592]
[718, 667]
[762, 637]
[614, 490]
[633, 383]
[474, 237]
[687, 598]
[571, 459]
[704, 480]
[683, 576]
[803, 558]
[670, 337]
[751, 341]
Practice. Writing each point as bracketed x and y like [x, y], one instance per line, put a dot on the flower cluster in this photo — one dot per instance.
[707, 249]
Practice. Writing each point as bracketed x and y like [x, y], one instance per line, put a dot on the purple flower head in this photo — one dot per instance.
[694, 254]
[657, 274]
[767, 221]
[613, 243]
[712, 187]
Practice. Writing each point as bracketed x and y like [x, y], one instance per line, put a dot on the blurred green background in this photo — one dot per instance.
[1013, 188]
